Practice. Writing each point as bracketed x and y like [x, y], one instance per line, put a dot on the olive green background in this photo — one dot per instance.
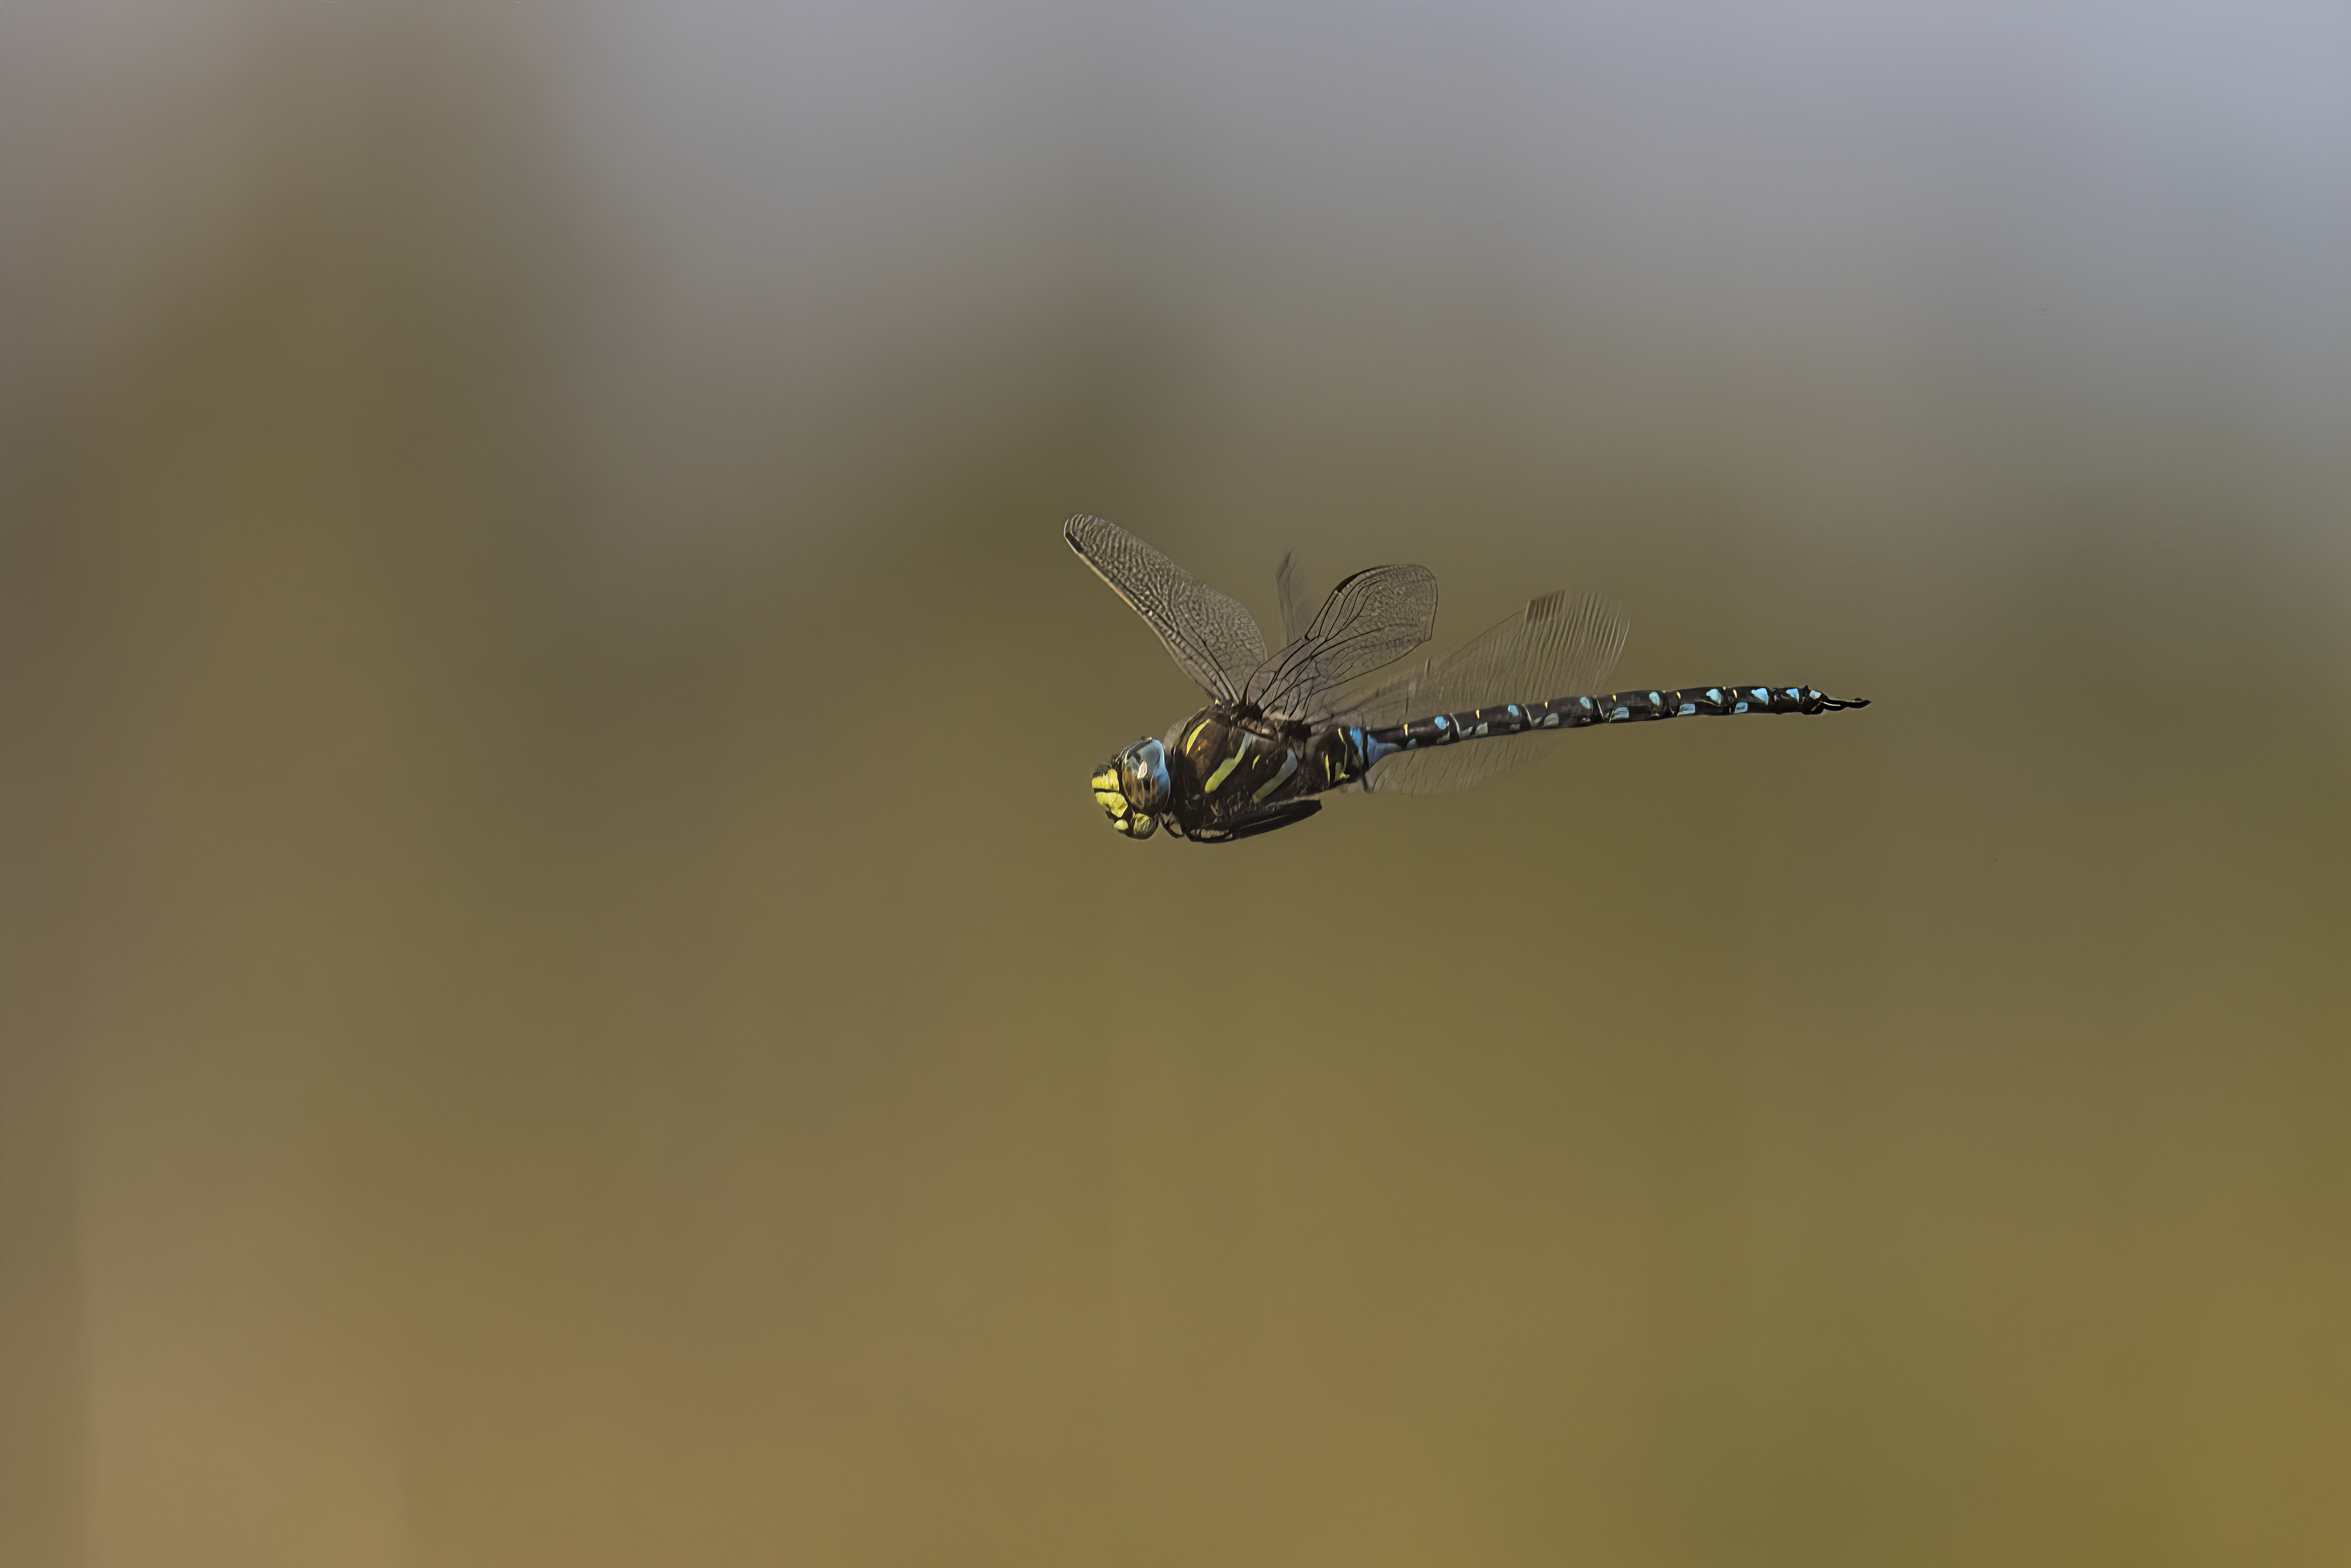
[565, 1000]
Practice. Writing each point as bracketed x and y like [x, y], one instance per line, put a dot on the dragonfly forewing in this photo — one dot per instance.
[1210, 635]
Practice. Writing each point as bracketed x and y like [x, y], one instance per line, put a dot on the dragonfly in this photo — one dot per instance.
[1283, 729]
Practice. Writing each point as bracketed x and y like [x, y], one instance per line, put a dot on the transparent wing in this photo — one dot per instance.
[1297, 594]
[1372, 619]
[1214, 640]
[1559, 645]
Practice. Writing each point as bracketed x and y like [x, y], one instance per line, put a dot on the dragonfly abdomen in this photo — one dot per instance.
[1612, 708]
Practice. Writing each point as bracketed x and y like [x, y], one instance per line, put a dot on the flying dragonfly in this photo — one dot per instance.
[1281, 730]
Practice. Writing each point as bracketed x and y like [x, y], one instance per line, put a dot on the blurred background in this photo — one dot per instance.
[565, 1000]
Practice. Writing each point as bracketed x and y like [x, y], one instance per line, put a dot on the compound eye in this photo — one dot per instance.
[1142, 771]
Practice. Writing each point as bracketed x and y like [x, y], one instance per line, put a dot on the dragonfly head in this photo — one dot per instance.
[1133, 789]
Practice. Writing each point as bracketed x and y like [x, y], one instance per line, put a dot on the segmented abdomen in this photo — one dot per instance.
[1615, 707]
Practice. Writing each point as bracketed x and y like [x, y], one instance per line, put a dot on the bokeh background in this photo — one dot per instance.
[565, 1000]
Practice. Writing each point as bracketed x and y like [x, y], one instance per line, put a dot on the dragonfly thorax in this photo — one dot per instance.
[1231, 766]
